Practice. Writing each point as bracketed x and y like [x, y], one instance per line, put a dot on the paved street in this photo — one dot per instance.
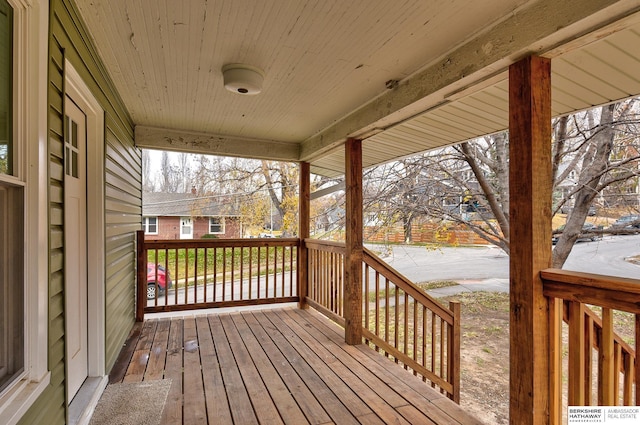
[487, 268]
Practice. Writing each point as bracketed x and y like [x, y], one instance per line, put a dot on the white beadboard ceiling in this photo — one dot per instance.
[326, 64]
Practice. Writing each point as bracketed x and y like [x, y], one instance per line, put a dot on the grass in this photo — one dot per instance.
[425, 286]
[183, 263]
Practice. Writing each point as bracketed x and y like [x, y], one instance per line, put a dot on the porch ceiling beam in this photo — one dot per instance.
[214, 144]
[535, 28]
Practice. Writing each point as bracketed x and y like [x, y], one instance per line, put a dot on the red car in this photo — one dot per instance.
[157, 277]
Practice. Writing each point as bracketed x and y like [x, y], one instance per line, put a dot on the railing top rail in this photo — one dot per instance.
[409, 287]
[219, 243]
[606, 291]
[319, 244]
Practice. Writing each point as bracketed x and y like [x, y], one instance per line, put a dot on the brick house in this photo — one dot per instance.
[188, 216]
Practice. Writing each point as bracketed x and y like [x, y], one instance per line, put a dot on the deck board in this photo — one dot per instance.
[285, 366]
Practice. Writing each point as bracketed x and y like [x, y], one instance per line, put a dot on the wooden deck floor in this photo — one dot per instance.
[276, 366]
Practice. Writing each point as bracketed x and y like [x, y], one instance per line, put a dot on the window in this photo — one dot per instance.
[150, 225]
[12, 338]
[24, 280]
[216, 225]
[6, 88]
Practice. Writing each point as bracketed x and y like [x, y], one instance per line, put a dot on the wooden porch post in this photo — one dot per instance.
[530, 183]
[353, 242]
[303, 232]
[141, 281]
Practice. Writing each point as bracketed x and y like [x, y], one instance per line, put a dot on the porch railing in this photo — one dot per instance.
[208, 273]
[600, 367]
[399, 319]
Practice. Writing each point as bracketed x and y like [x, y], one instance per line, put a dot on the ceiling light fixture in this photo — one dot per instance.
[242, 79]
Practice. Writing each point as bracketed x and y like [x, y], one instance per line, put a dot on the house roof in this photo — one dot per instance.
[403, 76]
[155, 204]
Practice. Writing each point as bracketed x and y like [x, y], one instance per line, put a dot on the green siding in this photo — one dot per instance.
[123, 203]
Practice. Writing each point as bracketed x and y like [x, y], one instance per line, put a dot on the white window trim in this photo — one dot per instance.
[222, 225]
[31, 31]
[145, 225]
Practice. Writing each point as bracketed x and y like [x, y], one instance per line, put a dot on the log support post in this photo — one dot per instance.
[353, 242]
[530, 185]
[141, 287]
[303, 233]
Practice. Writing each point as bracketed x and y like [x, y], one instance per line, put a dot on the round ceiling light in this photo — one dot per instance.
[242, 79]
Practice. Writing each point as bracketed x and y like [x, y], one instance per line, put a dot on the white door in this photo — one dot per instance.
[186, 228]
[75, 244]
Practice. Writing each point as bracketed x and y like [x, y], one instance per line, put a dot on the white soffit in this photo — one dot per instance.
[601, 72]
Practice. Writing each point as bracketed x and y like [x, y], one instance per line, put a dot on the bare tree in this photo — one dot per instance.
[468, 183]
[148, 183]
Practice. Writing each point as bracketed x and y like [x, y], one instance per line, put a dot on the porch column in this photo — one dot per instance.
[303, 232]
[530, 183]
[353, 242]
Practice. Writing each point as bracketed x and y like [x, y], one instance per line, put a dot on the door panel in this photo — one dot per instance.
[186, 228]
[75, 230]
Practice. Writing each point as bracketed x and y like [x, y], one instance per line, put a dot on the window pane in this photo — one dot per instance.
[6, 86]
[11, 284]
[216, 225]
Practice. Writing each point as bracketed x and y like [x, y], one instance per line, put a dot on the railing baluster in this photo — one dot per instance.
[175, 292]
[241, 278]
[195, 276]
[414, 329]
[155, 262]
[627, 389]
[224, 274]
[405, 326]
[275, 271]
[607, 360]
[588, 367]
[266, 272]
[250, 273]
[339, 289]
[387, 325]
[291, 252]
[433, 344]
[555, 364]
[283, 273]
[215, 274]
[365, 299]
[617, 366]
[396, 319]
[231, 278]
[443, 334]
[425, 318]
[259, 271]
[377, 312]
[576, 354]
[206, 269]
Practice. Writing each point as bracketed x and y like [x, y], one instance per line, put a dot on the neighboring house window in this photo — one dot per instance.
[150, 225]
[216, 225]
[23, 273]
